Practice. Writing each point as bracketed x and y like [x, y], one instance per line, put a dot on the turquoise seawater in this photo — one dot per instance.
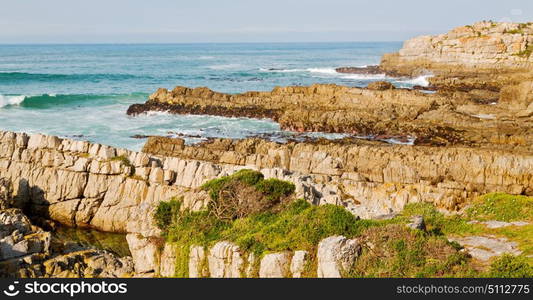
[83, 91]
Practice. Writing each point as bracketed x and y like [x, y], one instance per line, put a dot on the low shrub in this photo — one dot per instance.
[245, 193]
[396, 251]
[509, 266]
[166, 213]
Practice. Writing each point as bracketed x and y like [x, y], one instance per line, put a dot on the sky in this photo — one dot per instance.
[167, 21]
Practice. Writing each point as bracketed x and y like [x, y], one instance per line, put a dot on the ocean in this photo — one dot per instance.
[83, 91]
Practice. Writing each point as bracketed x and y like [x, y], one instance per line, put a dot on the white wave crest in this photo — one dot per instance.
[366, 76]
[225, 67]
[329, 71]
[11, 100]
[420, 80]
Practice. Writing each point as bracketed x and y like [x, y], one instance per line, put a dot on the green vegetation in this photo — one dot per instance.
[396, 251]
[123, 159]
[269, 219]
[508, 266]
[166, 213]
[502, 207]
[514, 31]
[245, 193]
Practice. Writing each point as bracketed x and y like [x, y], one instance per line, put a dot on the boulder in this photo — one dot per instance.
[225, 260]
[336, 255]
[298, 263]
[275, 265]
[197, 262]
[417, 222]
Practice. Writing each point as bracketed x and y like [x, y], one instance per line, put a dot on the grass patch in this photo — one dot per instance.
[509, 266]
[277, 223]
[395, 251]
[298, 226]
[123, 159]
[502, 207]
[439, 224]
[523, 235]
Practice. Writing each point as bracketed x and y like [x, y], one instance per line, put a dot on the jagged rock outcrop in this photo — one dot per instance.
[335, 255]
[443, 118]
[482, 46]
[351, 175]
[27, 251]
[478, 60]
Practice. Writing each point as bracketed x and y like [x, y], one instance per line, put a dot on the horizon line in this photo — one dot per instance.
[191, 43]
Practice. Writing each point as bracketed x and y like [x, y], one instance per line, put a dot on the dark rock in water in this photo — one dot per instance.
[139, 136]
[370, 70]
[381, 86]
[417, 222]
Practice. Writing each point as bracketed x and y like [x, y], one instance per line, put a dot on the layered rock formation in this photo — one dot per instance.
[435, 119]
[369, 179]
[482, 46]
[480, 59]
[27, 251]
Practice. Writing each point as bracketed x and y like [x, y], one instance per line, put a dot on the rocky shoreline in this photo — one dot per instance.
[472, 136]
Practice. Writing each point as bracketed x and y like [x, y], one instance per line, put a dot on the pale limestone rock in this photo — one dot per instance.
[275, 265]
[225, 260]
[251, 264]
[106, 152]
[167, 261]
[143, 252]
[197, 261]
[298, 262]
[157, 175]
[336, 256]
[486, 247]
[88, 264]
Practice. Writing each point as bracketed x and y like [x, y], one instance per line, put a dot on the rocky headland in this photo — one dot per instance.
[213, 209]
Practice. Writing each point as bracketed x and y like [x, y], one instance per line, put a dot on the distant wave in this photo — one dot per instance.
[50, 100]
[7, 77]
[224, 67]
[330, 71]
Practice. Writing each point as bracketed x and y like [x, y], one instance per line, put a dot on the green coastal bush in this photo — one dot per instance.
[166, 213]
[396, 251]
[509, 266]
[245, 193]
[271, 220]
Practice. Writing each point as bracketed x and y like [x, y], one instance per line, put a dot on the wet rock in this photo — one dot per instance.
[88, 264]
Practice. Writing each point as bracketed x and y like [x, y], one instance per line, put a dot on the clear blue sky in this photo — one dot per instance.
[123, 21]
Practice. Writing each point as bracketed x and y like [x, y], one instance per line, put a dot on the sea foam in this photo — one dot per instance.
[11, 100]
